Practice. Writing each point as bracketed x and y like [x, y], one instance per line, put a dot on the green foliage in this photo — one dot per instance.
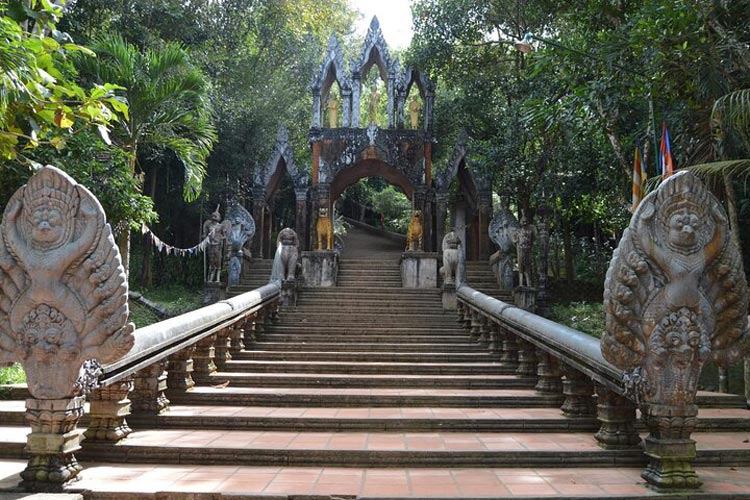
[585, 317]
[13, 374]
[41, 103]
[395, 207]
[102, 169]
[168, 98]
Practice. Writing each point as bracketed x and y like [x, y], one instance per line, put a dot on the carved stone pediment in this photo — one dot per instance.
[63, 290]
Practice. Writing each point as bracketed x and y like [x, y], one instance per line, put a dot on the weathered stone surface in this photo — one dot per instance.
[242, 229]
[320, 268]
[419, 270]
[63, 293]
[451, 256]
[502, 231]
[675, 297]
[524, 239]
[63, 310]
[287, 254]
[215, 232]
[109, 406]
[525, 298]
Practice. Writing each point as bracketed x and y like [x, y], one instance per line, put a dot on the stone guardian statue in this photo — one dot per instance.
[240, 230]
[451, 257]
[214, 231]
[675, 297]
[284, 271]
[524, 238]
[63, 303]
[502, 230]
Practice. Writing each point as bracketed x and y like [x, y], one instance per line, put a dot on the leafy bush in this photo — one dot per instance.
[585, 317]
[13, 374]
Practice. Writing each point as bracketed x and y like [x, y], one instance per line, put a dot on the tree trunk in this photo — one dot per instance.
[568, 250]
[147, 276]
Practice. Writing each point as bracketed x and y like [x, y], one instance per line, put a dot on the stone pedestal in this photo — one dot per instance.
[289, 293]
[419, 270]
[320, 268]
[52, 443]
[616, 414]
[213, 291]
[108, 408]
[449, 297]
[579, 391]
[149, 387]
[525, 298]
[669, 448]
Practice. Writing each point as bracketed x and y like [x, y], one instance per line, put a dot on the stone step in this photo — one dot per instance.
[349, 380]
[313, 315]
[356, 305]
[369, 367]
[354, 330]
[321, 397]
[389, 419]
[364, 449]
[431, 348]
[305, 337]
[386, 357]
[393, 292]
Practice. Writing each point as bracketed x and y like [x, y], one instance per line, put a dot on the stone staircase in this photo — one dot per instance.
[369, 389]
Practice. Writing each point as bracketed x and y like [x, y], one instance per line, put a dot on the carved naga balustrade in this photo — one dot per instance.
[675, 297]
[64, 317]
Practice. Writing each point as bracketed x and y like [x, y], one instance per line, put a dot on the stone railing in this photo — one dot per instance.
[170, 357]
[568, 364]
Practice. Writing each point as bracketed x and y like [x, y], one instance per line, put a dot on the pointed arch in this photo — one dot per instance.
[279, 163]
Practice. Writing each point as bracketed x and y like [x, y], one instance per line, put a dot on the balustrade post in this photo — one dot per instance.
[52, 443]
[475, 324]
[526, 359]
[108, 408]
[203, 359]
[484, 330]
[548, 372]
[510, 350]
[180, 370]
[250, 329]
[467, 317]
[236, 336]
[460, 312]
[222, 350]
[149, 387]
[497, 335]
[579, 391]
[259, 323]
[616, 415]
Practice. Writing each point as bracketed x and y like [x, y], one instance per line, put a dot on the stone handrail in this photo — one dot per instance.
[576, 349]
[566, 365]
[157, 341]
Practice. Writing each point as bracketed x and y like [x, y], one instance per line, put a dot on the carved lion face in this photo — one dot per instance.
[683, 229]
[418, 215]
[47, 225]
[323, 212]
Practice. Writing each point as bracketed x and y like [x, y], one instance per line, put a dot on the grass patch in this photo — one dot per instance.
[586, 317]
[175, 300]
[13, 374]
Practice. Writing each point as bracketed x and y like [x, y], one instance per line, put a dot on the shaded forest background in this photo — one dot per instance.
[554, 128]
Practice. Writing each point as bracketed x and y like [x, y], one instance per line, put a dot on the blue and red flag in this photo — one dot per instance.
[666, 161]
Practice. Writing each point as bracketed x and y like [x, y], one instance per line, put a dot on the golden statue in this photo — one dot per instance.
[324, 228]
[415, 232]
[373, 105]
[333, 112]
[414, 108]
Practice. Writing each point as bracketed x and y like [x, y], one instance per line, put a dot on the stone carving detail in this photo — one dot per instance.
[675, 297]
[215, 232]
[63, 291]
[415, 232]
[502, 231]
[451, 257]
[287, 253]
[524, 238]
[241, 231]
